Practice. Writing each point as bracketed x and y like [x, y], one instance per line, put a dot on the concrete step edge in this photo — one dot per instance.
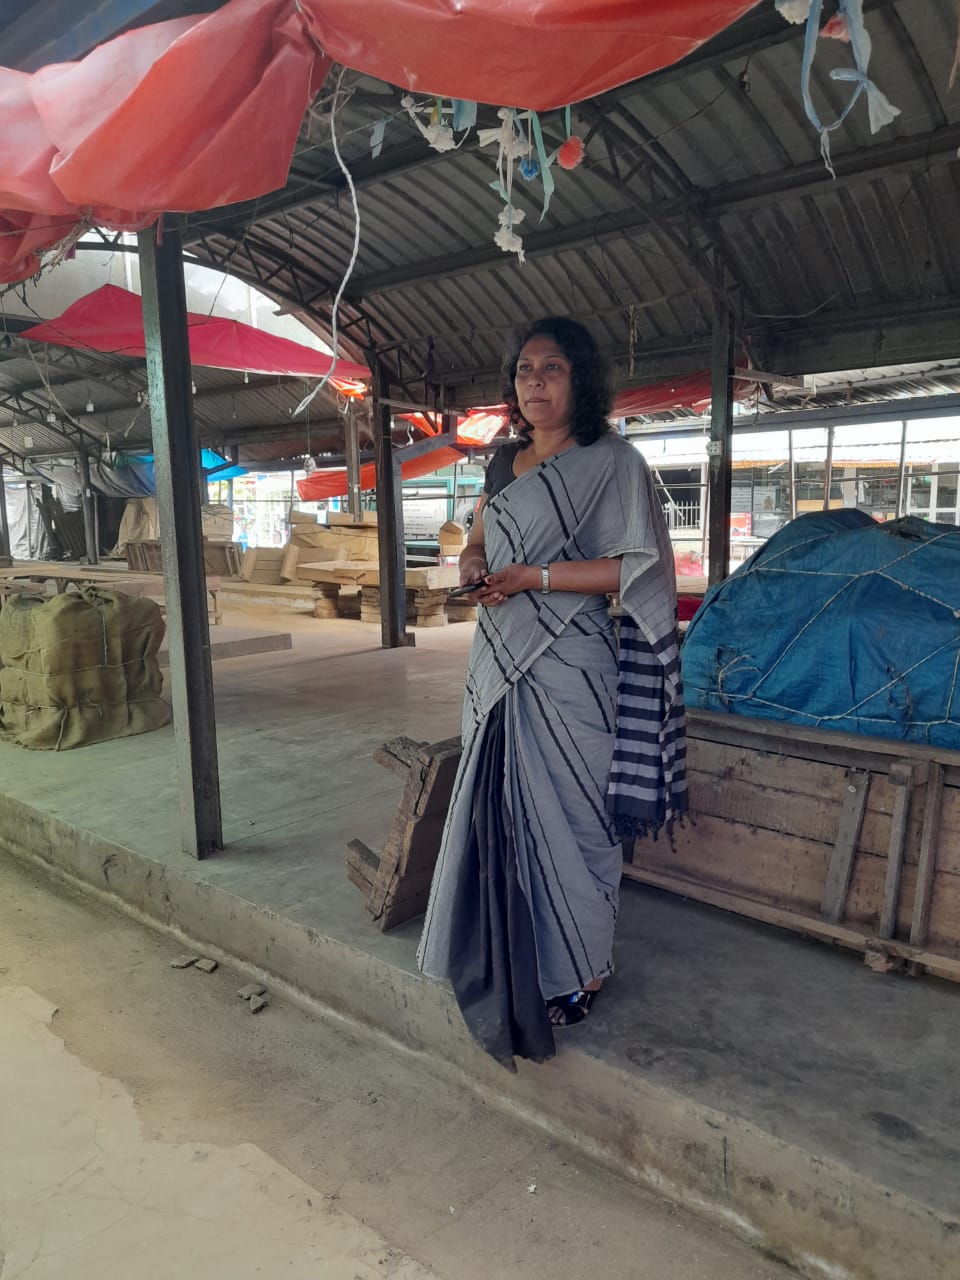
[819, 1215]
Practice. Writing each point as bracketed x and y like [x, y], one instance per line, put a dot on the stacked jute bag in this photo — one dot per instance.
[80, 668]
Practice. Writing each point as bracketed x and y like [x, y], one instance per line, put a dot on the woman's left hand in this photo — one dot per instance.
[508, 582]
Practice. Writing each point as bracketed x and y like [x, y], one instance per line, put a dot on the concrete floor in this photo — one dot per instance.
[83, 1191]
[776, 1035]
[154, 1130]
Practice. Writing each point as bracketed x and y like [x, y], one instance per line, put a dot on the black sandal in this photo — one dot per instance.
[572, 1008]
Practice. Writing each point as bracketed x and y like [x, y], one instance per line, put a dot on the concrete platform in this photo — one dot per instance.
[238, 642]
[294, 596]
[767, 1081]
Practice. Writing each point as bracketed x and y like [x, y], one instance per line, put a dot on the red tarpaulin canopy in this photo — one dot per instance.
[481, 426]
[111, 320]
[690, 392]
[200, 112]
[320, 485]
[521, 53]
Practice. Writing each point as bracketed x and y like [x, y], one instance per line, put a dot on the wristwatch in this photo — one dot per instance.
[544, 579]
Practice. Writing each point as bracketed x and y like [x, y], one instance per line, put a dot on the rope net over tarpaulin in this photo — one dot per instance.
[837, 623]
[200, 112]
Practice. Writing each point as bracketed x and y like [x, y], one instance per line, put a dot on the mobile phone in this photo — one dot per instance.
[467, 590]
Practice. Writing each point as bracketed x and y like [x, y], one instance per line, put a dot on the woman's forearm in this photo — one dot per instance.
[597, 577]
[587, 577]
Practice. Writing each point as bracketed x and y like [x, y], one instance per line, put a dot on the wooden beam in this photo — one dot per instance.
[177, 464]
[841, 861]
[926, 869]
[905, 775]
[939, 965]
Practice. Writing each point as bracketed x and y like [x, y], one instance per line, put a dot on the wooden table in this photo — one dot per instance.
[25, 574]
[427, 591]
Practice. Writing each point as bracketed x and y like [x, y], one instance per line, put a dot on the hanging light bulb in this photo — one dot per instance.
[193, 387]
[139, 397]
[89, 405]
[246, 376]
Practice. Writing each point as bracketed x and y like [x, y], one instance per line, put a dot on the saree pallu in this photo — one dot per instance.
[524, 898]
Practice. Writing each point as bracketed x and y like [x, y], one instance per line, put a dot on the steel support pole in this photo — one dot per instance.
[393, 586]
[793, 478]
[901, 469]
[828, 470]
[89, 511]
[351, 442]
[4, 521]
[720, 445]
[177, 464]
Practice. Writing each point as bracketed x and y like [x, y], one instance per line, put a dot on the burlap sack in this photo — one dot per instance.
[80, 668]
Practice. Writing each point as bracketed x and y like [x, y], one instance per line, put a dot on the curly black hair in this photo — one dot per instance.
[592, 393]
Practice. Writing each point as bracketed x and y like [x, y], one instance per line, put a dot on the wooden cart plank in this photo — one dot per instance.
[841, 863]
[926, 871]
[944, 966]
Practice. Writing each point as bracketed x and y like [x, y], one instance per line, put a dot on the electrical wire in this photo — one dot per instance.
[334, 314]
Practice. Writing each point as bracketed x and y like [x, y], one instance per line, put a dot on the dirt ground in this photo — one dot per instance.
[153, 1127]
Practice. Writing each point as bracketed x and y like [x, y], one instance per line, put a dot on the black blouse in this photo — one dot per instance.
[500, 469]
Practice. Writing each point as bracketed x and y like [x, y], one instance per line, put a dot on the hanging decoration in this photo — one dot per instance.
[837, 28]
[437, 133]
[520, 148]
[847, 25]
[795, 12]
[570, 153]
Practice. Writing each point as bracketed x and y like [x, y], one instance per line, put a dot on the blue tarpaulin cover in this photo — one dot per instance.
[840, 623]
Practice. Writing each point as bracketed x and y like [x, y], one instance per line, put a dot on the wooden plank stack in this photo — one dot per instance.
[850, 839]
[221, 559]
[397, 882]
[263, 565]
[427, 591]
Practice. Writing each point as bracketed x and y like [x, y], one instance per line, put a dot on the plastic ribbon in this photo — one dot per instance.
[546, 173]
[464, 114]
[881, 110]
[376, 136]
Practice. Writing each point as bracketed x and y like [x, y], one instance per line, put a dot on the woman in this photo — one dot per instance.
[571, 741]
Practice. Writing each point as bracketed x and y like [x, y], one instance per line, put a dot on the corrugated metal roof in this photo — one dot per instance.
[37, 380]
[714, 156]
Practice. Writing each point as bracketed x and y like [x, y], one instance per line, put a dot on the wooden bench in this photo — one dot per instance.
[396, 882]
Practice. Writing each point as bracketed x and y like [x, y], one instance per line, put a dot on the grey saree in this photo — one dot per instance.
[571, 739]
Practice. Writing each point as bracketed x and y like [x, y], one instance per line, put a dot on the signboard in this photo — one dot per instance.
[424, 511]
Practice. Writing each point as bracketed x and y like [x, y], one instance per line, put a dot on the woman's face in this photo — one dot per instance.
[543, 384]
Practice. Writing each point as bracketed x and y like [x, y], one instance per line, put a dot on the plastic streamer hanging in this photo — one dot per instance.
[881, 110]
[335, 311]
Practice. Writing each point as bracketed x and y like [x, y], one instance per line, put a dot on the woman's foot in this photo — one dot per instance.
[568, 1010]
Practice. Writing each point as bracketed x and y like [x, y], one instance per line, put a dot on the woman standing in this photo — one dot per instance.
[572, 741]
